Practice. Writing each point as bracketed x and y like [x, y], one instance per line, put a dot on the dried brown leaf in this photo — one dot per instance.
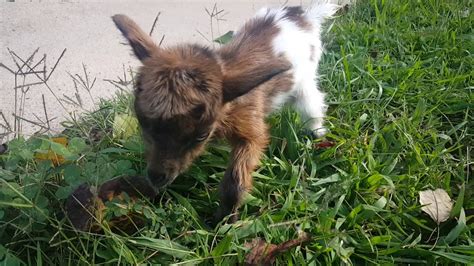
[263, 253]
[438, 204]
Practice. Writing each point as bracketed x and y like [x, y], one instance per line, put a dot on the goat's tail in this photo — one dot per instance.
[321, 10]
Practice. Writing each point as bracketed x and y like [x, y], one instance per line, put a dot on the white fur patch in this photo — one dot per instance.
[303, 49]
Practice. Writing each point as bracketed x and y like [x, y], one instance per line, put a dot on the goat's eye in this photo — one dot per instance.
[202, 137]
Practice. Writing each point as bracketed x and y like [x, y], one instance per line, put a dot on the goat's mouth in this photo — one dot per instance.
[160, 180]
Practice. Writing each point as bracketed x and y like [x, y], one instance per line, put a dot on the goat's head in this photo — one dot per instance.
[179, 97]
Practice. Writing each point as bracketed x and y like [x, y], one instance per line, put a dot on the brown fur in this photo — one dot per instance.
[295, 13]
[188, 93]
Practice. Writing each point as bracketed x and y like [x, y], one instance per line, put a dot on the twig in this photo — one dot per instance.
[154, 23]
[29, 84]
[45, 112]
[124, 74]
[202, 35]
[290, 244]
[44, 122]
[56, 64]
[14, 60]
[263, 253]
[44, 67]
[85, 74]
[7, 68]
[32, 72]
[39, 62]
[15, 122]
[27, 61]
[161, 41]
[29, 121]
[7, 125]
[45, 81]
[23, 101]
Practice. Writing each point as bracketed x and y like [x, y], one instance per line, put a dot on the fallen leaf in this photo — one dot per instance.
[86, 206]
[259, 252]
[55, 158]
[263, 253]
[324, 144]
[438, 204]
[60, 140]
[125, 126]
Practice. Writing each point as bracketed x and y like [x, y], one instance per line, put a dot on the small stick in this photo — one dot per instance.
[14, 60]
[29, 84]
[290, 244]
[202, 35]
[162, 39]
[33, 72]
[22, 103]
[45, 80]
[44, 67]
[29, 121]
[39, 62]
[56, 64]
[154, 23]
[15, 122]
[7, 68]
[8, 126]
[25, 62]
[45, 112]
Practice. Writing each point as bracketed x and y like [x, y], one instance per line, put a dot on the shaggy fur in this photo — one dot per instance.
[187, 94]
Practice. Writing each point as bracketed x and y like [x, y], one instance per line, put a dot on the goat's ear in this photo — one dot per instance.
[141, 43]
[242, 77]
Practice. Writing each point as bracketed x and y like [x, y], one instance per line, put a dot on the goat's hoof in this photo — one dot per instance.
[316, 133]
[319, 133]
[225, 217]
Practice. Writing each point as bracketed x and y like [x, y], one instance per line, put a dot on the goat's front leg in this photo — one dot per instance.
[246, 155]
[311, 105]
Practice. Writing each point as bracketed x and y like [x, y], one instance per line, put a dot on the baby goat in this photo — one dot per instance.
[189, 93]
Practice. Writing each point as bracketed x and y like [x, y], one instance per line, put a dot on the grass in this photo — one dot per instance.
[399, 80]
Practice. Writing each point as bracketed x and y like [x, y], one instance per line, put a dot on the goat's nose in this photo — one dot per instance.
[156, 178]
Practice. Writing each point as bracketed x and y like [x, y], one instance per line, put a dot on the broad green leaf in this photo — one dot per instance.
[7, 258]
[125, 126]
[457, 230]
[7, 175]
[72, 174]
[77, 145]
[225, 38]
[467, 260]
[26, 154]
[459, 202]
[123, 166]
[60, 149]
[223, 246]
[64, 192]
[381, 202]
[330, 179]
